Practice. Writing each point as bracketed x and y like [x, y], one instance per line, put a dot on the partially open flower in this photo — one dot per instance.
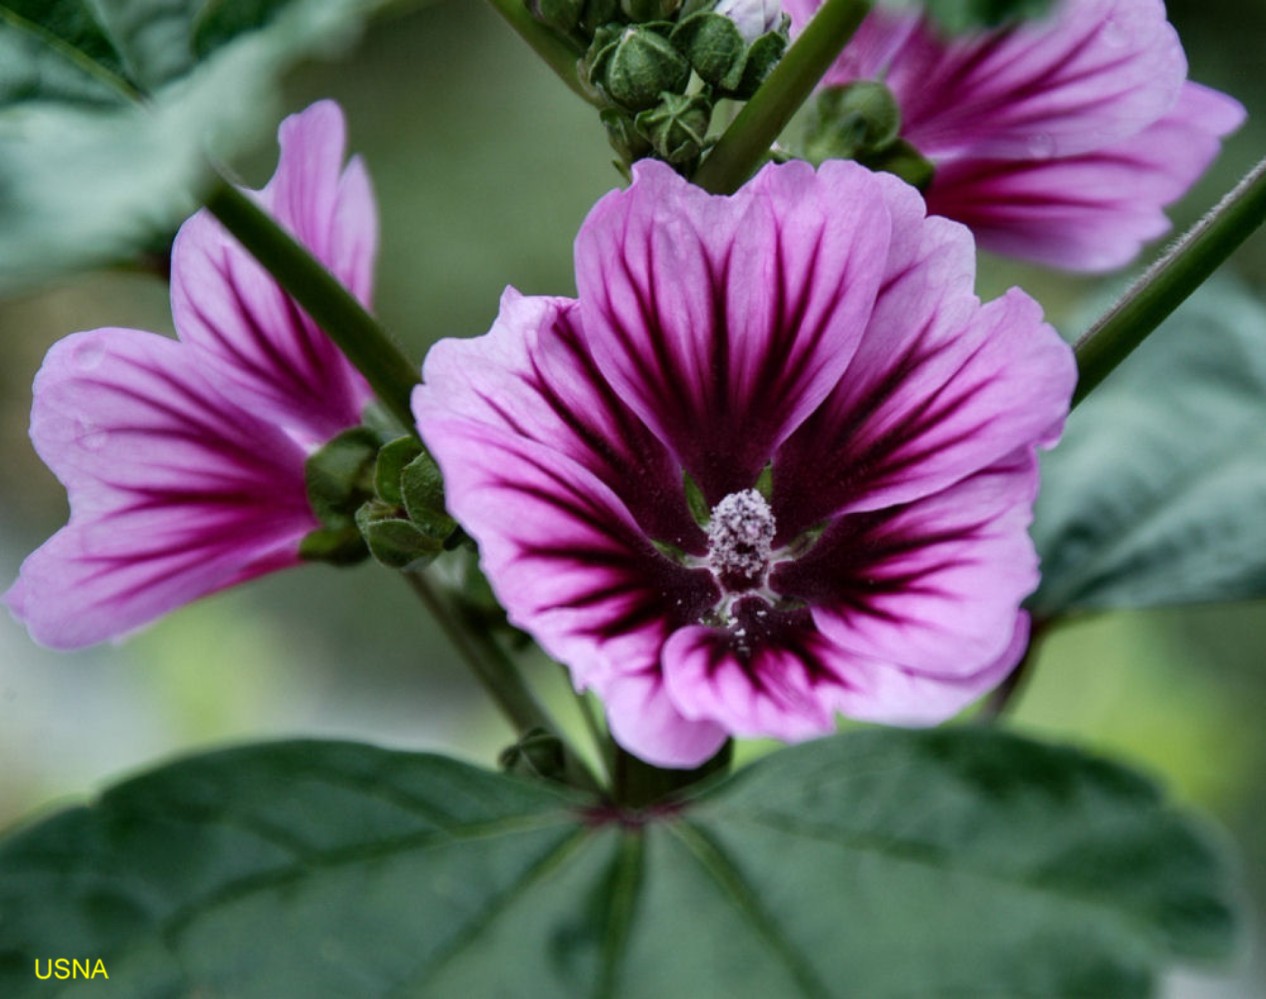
[184, 460]
[1058, 140]
[777, 461]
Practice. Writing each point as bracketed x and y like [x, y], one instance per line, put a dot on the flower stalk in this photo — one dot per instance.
[1168, 282]
[498, 675]
[745, 144]
[358, 334]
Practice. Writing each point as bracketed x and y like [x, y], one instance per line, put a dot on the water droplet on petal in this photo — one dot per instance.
[1113, 34]
[89, 436]
[89, 354]
[1041, 146]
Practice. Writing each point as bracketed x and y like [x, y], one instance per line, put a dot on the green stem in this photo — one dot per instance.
[636, 784]
[558, 55]
[497, 674]
[746, 142]
[491, 666]
[1165, 284]
[331, 306]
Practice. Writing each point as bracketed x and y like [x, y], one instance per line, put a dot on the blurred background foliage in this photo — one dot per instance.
[484, 166]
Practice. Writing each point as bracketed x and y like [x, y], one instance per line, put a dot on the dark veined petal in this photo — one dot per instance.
[174, 491]
[723, 322]
[1091, 212]
[566, 558]
[938, 388]
[532, 375]
[932, 586]
[1091, 74]
[252, 335]
[763, 682]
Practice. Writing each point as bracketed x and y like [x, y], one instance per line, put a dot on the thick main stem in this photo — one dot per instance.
[332, 307]
[746, 142]
[1169, 281]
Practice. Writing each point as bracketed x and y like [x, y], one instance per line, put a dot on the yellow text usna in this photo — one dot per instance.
[63, 968]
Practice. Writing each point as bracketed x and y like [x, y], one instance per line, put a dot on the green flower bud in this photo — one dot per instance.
[336, 545]
[395, 542]
[762, 57]
[635, 65]
[538, 754]
[854, 121]
[677, 127]
[561, 15]
[641, 11]
[906, 162]
[422, 488]
[598, 13]
[623, 135]
[714, 47]
[340, 476]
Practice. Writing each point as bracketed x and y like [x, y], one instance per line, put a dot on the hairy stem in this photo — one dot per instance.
[332, 307]
[1165, 284]
[496, 672]
[746, 142]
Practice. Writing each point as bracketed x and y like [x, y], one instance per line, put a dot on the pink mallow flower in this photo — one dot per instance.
[184, 460]
[859, 429]
[1058, 140]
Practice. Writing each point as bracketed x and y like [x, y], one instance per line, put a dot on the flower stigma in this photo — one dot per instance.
[740, 541]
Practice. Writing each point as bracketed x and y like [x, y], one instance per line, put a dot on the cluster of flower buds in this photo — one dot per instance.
[660, 66]
[376, 494]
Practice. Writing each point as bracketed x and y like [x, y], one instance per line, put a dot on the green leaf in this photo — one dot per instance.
[960, 16]
[878, 863]
[107, 111]
[1156, 494]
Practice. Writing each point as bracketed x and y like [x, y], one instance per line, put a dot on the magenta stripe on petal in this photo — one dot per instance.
[533, 375]
[174, 491]
[930, 585]
[724, 321]
[564, 555]
[939, 387]
[266, 350]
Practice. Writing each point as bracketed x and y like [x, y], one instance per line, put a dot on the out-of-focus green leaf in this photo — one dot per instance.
[1157, 494]
[878, 863]
[107, 111]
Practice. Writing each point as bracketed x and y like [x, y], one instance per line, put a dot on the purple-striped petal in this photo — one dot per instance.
[533, 375]
[174, 491]
[754, 681]
[566, 558]
[1092, 74]
[723, 322]
[931, 586]
[938, 388]
[1091, 212]
[266, 350]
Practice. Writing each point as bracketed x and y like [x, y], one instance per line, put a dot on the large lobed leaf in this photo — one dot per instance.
[1157, 493]
[107, 110]
[880, 863]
